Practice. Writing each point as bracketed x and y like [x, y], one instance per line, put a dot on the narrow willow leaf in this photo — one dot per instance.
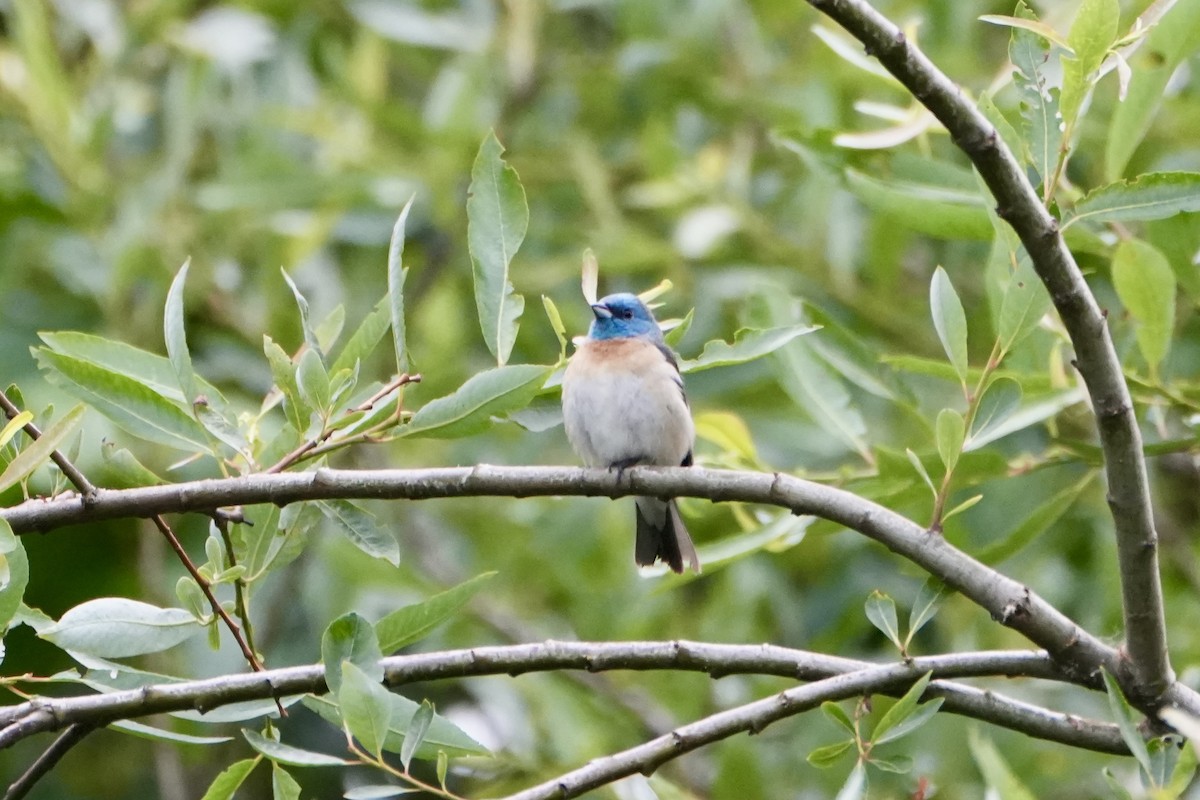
[1182, 721]
[16, 579]
[1033, 412]
[1145, 283]
[881, 611]
[675, 333]
[414, 737]
[1092, 33]
[39, 450]
[911, 721]
[969, 503]
[329, 329]
[283, 785]
[901, 711]
[497, 216]
[920, 468]
[898, 764]
[377, 792]
[226, 784]
[366, 708]
[286, 754]
[590, 281]
[839, 716]
[1123, 715]
[940, 211]
[310, 334]
[443, 735]
[396, 274]
[925, 607]
[443, 766]
[413, 622]
[176, 338]
[949, 320]
[1030, 55]
[747, 345]
[471, 407]
[359, 526]
[828, 755]
[313, 381]
[14, 425]
[350, 638]
[1024, 304]
[855, 787]
[160, 735]
[192, 597]
[1038, 522]
[1167, 44]
[283, 372]
[556, 323]
[116, 627]
[1000, 399]
[1032, 25]
[365, 337]
[1155, 195]
[998, 776]
[132, 406]
[950, 429]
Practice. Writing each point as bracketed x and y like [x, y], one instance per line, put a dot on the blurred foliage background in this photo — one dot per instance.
[690, 140]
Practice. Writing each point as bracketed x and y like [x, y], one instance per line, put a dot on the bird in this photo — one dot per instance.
[624, 405]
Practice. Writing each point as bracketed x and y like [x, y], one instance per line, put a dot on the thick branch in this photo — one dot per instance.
[47, 714]
[47, 761]
[1150, 674]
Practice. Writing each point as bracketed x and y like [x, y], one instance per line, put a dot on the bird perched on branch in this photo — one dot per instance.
[624, 406]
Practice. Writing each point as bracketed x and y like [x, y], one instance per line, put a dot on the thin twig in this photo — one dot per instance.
[1146, 673]
[47, 760]
[39, 715]
[239, 591]
[77, 478]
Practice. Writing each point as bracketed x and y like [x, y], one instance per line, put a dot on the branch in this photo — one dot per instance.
[1148, 674]
[1008, 601]
[77, 478]
[39, 715]
[47, 760]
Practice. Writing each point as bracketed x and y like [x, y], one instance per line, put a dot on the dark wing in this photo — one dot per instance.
[669, 355]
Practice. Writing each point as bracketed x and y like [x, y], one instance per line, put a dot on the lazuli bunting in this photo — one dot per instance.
[624, 405]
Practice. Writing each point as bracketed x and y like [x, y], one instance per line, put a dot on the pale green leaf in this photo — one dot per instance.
[1145, 283]
[116, 627]
[14, 425]
[881, 611]
[413, 622]
[366, 708]
[414, 737]
[855, 787]
[350, 638]
[1025, 302]
[313, 381]
[283, 785]
[839, 716]
[365, 338]
[929, 600]
[359, 526]
[12, 590]
[160, 735]
[310, 334]
[996, 773]
[471, 407]
[904, 710]
[396, 273]
[1092, 33]
[176, 338]
[949, 320]
[915, 460]
[1155, 195]
[1034, 26]
[827, 755]
[1030, 53]
[945, 212]
[442, 734]
[747, 345]
[230, 780]
[286, 754]
[950, 429]
[1124, 715]
[39, 450]
[497, 216]
[1000, 399]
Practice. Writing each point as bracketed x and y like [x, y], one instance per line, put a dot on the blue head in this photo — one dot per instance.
[623, 316]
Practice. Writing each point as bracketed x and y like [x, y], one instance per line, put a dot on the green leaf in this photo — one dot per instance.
[949, 320]
[941, 211]
[1024, 304]
[747, 345]
[497, 217]
[471, 407]
[413, 622]
[898, 764]
[14, 426]
[365, 338]
[996, 773]
[125, 470]
[1146, 285]
[176, 338]
[133, 406]
[827, 755]
[366, 708]
[556, 323]
[1123, 715]
[414, 737]
[377, 792]
[929, 600]
[283, 785]
[950, 429]
[116, 627]
[1030, 56]
[855, 787]
[912, 720]
[15, 576]
[1092, 33]
[359, 526]
[902, 710]
[350, 638]
[192, 597]
[1000, 399]
[1034, 26]
[1167, 44]
[159, 735]
[283, 373]
[330, 328]
[881, 611]
[839, 716]
[38, 452]
[674, 335]
[970, 502]
[442, 735]
[396, 274]
[230, 780]
[1155, 195]
[313, 381]
[310, 334]
[1038, 522]
[292, 756]
[920, 468]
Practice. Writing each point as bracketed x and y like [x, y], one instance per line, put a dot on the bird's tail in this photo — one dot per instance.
[661, 534]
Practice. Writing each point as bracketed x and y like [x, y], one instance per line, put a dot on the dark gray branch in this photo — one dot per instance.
[1009, 602]
[20, 721]
[47, 761]
[1148, 673]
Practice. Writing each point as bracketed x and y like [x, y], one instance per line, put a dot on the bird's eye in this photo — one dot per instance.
[627, 314]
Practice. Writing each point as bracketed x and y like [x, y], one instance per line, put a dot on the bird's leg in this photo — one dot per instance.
[626, 463]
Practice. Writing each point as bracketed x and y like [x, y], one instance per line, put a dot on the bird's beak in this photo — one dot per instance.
[601, 311]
